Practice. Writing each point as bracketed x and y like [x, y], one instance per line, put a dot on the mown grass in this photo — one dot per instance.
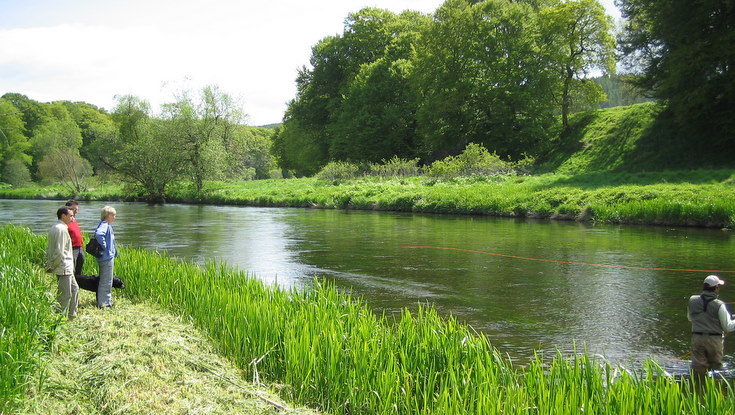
[337, 355]
[139, 359]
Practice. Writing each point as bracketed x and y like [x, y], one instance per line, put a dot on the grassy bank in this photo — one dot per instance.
[703, 198]
[140, 359]
[336, 355]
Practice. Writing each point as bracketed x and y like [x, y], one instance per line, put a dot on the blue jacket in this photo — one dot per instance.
[106, 237]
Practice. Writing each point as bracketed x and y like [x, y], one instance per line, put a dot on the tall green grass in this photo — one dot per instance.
[334, 353]
[337, 355]
[27, 324]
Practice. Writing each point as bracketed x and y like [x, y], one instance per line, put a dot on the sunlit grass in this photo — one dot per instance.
[27, 324]
[336, 354]
[693, 198]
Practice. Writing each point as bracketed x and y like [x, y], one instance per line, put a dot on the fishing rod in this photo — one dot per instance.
[562, 261]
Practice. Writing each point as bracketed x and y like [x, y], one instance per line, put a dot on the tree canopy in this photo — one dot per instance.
[682, 54]
[493, 72]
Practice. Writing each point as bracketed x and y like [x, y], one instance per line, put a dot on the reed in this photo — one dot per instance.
[27, 324]
[336, 354]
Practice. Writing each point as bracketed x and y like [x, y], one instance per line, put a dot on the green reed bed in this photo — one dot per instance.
[27, 324]
[334, 353]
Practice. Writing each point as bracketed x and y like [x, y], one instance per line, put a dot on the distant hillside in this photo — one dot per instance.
[270, 126]
[641, 137]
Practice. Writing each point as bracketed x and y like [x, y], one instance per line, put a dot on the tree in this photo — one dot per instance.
[58, 131]
[321, 91]
[481, 79]
[143, 152]
[250, 151]
[97, 129]
[68, 167]
[14, 146]
[203, 129]
[576, 36]
[376, 119]
[683, 54]
[16, 173]
[33, 113]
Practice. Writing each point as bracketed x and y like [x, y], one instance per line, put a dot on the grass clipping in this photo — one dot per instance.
[139, 359]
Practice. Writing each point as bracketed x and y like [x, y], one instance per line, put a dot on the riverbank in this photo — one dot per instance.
[329, 348]
[140, 359]
[702, 198]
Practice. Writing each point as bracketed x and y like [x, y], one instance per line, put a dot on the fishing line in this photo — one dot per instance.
[557, 261]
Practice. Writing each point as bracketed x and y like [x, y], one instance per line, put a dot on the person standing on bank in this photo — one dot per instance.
[106, 238]
[710, 321]
[59, 260]
[76, 238]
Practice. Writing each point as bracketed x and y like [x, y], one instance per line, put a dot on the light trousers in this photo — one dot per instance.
[68, 296]
[104, 289]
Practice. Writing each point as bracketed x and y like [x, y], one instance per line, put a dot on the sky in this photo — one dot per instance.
[93, 50]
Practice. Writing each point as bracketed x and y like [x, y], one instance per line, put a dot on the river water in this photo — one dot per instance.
[617, 291]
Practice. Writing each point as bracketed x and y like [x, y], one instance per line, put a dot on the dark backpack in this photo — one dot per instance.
[93, 247]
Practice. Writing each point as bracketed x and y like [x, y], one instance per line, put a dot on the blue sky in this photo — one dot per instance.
[92, 50]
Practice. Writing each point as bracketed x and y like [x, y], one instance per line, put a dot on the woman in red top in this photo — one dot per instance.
[76, 238]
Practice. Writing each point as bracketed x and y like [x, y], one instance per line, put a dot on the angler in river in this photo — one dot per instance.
[711, 320]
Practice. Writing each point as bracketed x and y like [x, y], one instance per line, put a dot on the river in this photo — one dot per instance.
[618, 291]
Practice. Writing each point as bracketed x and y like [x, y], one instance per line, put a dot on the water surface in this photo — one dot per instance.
[527, 285]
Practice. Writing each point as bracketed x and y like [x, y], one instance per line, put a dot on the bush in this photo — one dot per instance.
[16, 173]
[396, 167]
[474, 160]
[339, 170]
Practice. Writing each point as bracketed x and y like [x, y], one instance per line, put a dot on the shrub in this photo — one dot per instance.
[474, 160]
[16, 173]
[339, 170]
[396, 167]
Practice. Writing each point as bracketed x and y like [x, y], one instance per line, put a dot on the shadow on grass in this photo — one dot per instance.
[636, 145]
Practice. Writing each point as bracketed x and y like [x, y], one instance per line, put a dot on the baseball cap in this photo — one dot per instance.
[713, 281]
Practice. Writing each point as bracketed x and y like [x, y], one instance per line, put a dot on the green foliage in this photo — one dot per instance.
[98, 131]
[67, 167]
[475, 160]
[491, 87]
[136, 154]
[298, 149]
[26, 319]
[250, 153]
[16, 173]
[395, 167]
[683, 55]
[619, 92]
[339, 170]
[492, 72]
[577, 37]
[57, 132]
[333, 353]
[202, 128]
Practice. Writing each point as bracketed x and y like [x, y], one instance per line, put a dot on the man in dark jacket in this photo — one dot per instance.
[710, 321]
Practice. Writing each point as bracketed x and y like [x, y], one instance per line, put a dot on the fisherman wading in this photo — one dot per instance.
[710, 321]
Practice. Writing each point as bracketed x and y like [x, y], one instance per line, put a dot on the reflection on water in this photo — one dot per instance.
[527, 285]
